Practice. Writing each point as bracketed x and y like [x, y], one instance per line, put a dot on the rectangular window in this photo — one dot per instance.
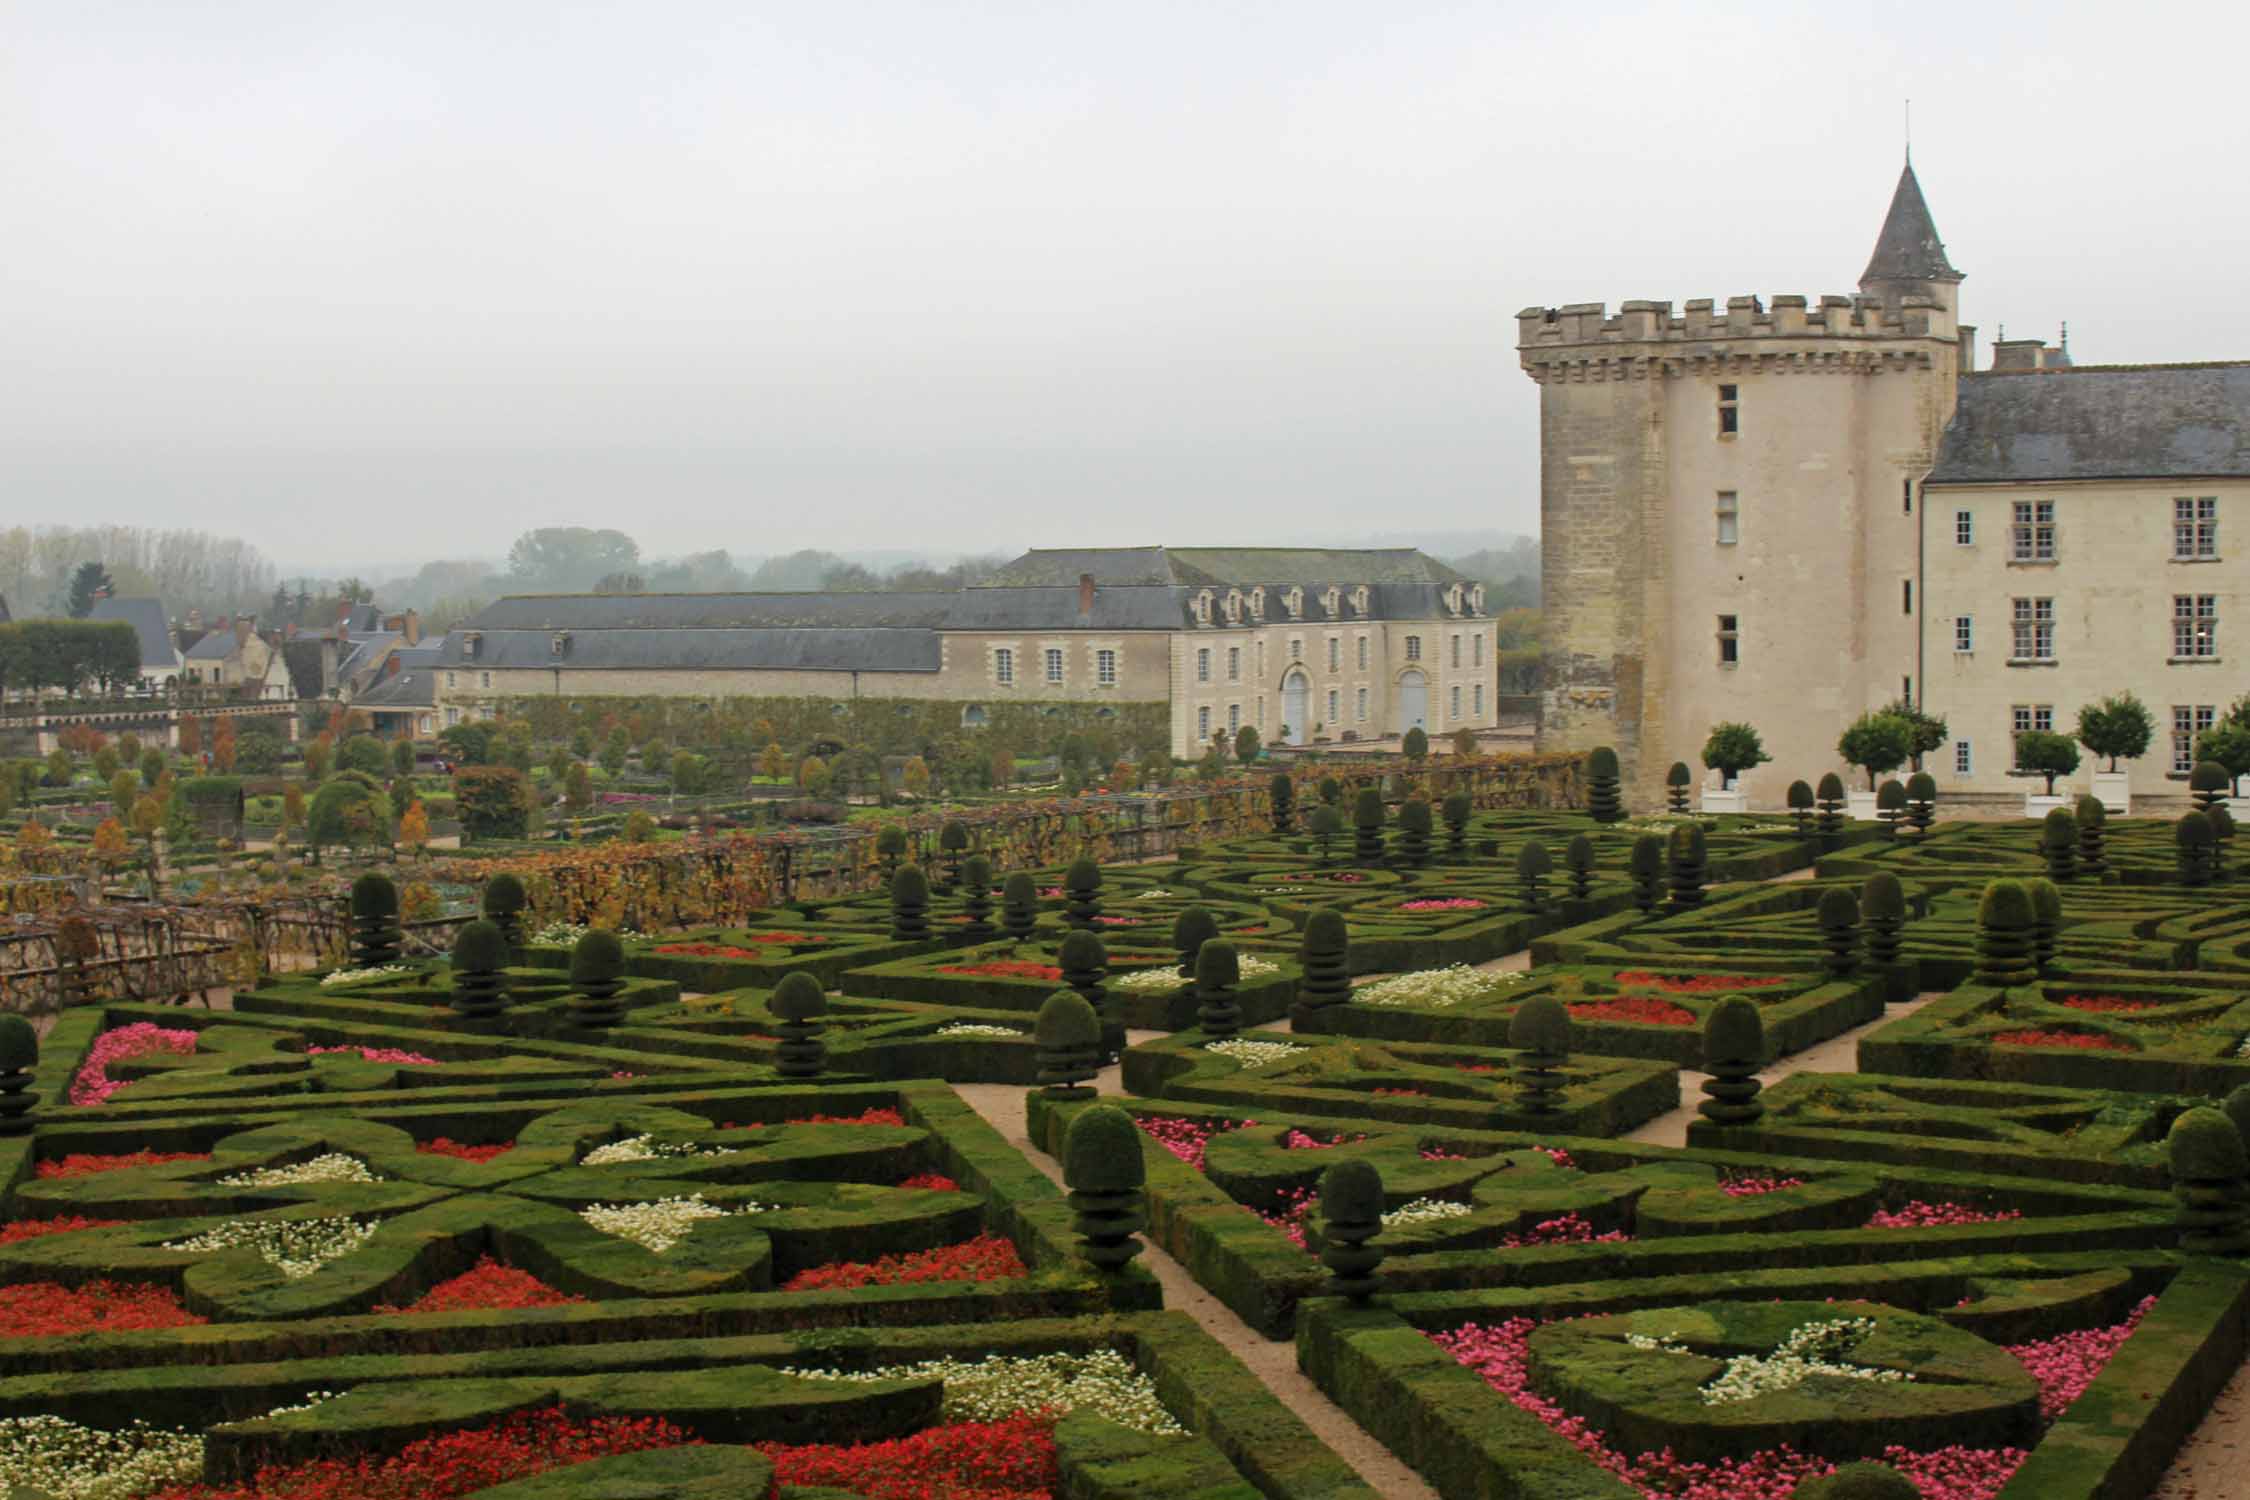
[2034, 622]
[449, 682]
[1359, 705]
[1234, 663]
[1334, 703]
[1363, 653]
[1730, 640]
[1456, 656]
[2189, 720]
[486, 679]
[1413, 648]
[1964, 633]
[1234, 717]
[1054, 664]
[1906, 494]
[1296, 648]
[1203, 724]
[1203, 664]
[1476, 700]
[1961, 759]
[1964, 528]
[1335, 654]
[2195, 625]
[1105, 668]
[1476, 649]
[2195, 528]
[1730, 518]
[1004, 666]
[2032, 538]
[1906, 596]
[1453, 706]
[1730, 410]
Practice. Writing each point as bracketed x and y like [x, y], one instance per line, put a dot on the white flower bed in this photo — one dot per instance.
[997, 1387]
[343, 977]
[334, 1167]
[1253, 1054]
[295, 1247]
[1438, 989]
[972, 1028]
[1165, 978]
[567, 934]
[657, 1227]
[1425, 1211]
[646, 1148]
[1814, 1349]
[1155, 893]
[64, 1461]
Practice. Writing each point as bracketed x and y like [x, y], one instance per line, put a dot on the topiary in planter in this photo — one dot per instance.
[1734, 1049]
[1882, 906]
[1676, 784]
[1217, 972]
[1281, 795]
[1690, 861]
[1605, 790]
[1351, 1214]
[504, 901]
[597, 977]
[1455, 810]
[890, 848]
[2209, 1167]
[799, 1004]
[376, 937]
[2058, 843]
[1800, 800]
[1414, 833]
[1069, 1036]
[1082, 895]
[1921, 801]
[19, 1055]
[1019, 907]
[1367, 827]
[2046, 920]
[1863, 1481]
[1103, 1168]
[1540, 1033]
[953, 843]
[1324, 953]
[1578, 858]
[2196, 839]
[1533, 865]
[1838, 915]
[480, 957]
[1191, 929]
[1890, 805]
[2006, 951]
[910, 905]
[2093, 843]
[1648, 871]
[1084, 960]
[1829, 799]
[976, 898]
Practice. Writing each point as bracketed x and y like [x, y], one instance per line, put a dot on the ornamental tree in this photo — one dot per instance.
[1732, 749]
[1876, 743]
[2045, 753]
[2118, 726]
[1925, 731]
[2227, 745]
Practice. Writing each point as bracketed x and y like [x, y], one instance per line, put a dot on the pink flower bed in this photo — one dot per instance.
[2084, 1040]
[93, 1085]
[378, 1055]
[1567, 1230]
[1298, 1140]
[1443, 903]
[1751, 1187]
[1297, 1205]
[1186, 1139]
[2066, 1364]
[1920, 1215]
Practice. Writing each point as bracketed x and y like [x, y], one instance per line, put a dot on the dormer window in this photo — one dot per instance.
[1294, 602]
[1233, 606]
[472, 644]
[1476, 600]
[1453, 600]
[1331, 600]
[559, 643]
[1258, 602]
[1203, 608]
[1360, 600]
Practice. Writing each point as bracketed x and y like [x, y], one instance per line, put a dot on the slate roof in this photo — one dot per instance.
[1202, 567]
[217, 645]
[149, 622]
[2095, 422]
[881, 649]
[1908, 248]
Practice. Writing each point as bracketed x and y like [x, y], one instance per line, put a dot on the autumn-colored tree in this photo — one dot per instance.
[811, 766]
[414, 828]
[915, 777]
[773, 762]
[222, 745]
[148, 815]
[292, 807]
[109, 843]
[123, 788]
[1003, 768]
[318, 754]
[191, 735]
[578, 787]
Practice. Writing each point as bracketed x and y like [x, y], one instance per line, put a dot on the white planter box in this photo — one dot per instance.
[2114, 791]
[1735, 801]
[1861, 805]
[2038, 804]
[2240, 807]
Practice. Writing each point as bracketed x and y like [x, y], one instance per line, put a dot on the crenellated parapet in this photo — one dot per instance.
[1837, 335]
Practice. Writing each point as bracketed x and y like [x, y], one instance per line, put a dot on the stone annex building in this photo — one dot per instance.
[1790, 514]
[1301, 644]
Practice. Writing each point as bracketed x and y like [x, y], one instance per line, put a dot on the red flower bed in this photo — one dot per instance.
[446, 1146]
[487, 1286]
[1696, 984]
[31, 1229]
[457, 1463]
[988, 1257]
[786, 937]
[1005, 968]
[82, 1164]
[1010, 1460]
[879, 1115]
[728, 950]
[1400, 1093]
[2108, 1004]
[932, 1182]
[2086, 1041]
[45, 1310]
[1646, 1009]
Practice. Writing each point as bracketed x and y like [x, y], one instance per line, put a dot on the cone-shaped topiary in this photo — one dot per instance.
[504, 901]
[1019, 907]
[1324, 954]
[1734, 1049]
[480, 958]
[1281, 795]
[2058, 842]
[376, 937]
[1533, 865]
[1605, 797]
[597, 978]
[1103, 1168]
[910, 905]
[1882, 906]
[1648, 871]
[1540, 1033]
[1838, 915]
[953, 843]
[2196, 839]
[1217, 971]
[1863, 1481]
[1676, 784]
[1800, 800]
[2209, 1168]
[1829, 799]
[1367, 827]
[1069, 1036]
[1456, 809]
[1084, 960]
[1351, 1214]
[1082, 895]
[976, 898]
[1191, 929]
[2006, 951]
[799, 1004]
[2046, 920]
[1921, 801]
[2093, 843]
[890, 848]
[1690, 861]
[1414, 833]
[19, 1055]
[1578, 858]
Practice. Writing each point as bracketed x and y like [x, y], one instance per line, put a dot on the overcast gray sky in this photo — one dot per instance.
[411, 277]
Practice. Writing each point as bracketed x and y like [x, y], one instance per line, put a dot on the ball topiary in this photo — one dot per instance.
[19, 1044]
[799, 1004]
[1326, 826]
[1414, 833]
[1191, 929]
[1604, 786]
[1103, 1167]
[1690, 861]
[374, 895]
[1862, 1481]
[480, 954]
[1676, 784]
[1351, 1212]
[1734, 1049]
[2006, 949]
[376, 936]
[1890, 805]
[953, 842]
[1367, 827]
[1084, 960]
[1882, 906]
[2208, 782]
[1082, 895]
[597, 977]
[890, 848]
[1217, 971]
[1533, 864]
[504, 902]
[1921, 801]
[1647, 866]
[1800, 800]
[1069, 1038]
[1829, 799]
[19, 1055]
[1838, 915]
[1456, 810]
[2058, 842]
[910, 905]
[1578, 858]
[1019, 907]
[1324, 954]
[2211, 1181]
[798, 997]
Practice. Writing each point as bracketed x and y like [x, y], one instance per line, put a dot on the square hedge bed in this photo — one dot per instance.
[2185, 1034]
[704, 959]
[1019, 977]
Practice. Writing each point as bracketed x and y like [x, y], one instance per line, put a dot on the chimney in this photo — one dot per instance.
[411, 627]
[242, 625]
[2027, 354]
[1085, 595]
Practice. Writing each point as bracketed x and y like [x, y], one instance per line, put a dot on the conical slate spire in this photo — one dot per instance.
[1908, 249]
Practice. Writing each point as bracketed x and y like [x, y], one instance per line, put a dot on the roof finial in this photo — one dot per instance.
[1910, 132]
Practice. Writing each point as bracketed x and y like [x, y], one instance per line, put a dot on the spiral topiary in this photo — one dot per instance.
[1367, 827]
[1414, 833]
[976, 899]
[1084, 960]
[1605, 790]
[2196, 840]
[1019, 907]
[1862, 1481]
[800, 1005]
[1676, 784]
[1921, 801]
[597, 978]
[1882, 906]
[2007, 953]
[1324, 955]
[1533, 865]
[1456, 810]
[2209, 1172]
[19, 1056]
[1830, 801]
[480, 981]
[376, 937]
[910, 905]
[1104, 1170]
[1082, 895]
[1069, 1038]
[1539, 1031]
[1890, 805]
[1281, 795]
[504, 901]
[1800, 800]
[1351, 1214]
[1578, 858]
[1838, 915]
[1690, 860]
[1217, 971]
[1734, 1049]
[2058, 842]
[1648, 871]
[2093, 844]
[2046, 920]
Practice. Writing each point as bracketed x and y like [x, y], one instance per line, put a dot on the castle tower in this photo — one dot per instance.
[1727, 504]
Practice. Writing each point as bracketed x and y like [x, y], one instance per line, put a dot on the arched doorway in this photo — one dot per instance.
[1413, 702]
[1296, 708]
